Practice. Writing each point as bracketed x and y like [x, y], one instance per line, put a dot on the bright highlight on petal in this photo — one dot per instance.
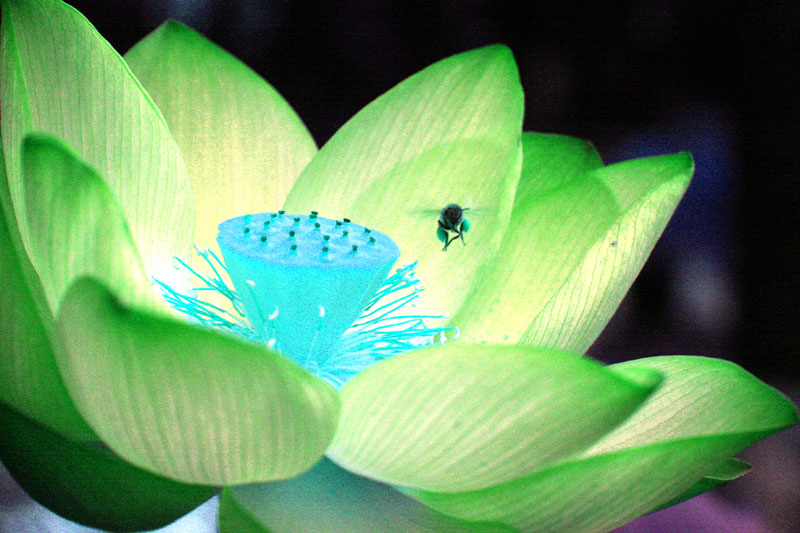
[62, 78]
[243, 143]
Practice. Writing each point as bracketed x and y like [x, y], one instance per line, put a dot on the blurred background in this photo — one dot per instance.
[636, 78]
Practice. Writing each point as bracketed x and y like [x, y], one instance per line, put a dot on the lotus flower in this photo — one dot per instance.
[119, 414]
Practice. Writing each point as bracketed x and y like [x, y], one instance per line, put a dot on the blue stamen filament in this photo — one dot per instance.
[380, 331]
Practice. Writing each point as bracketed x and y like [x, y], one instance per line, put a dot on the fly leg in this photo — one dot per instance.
[455, 236]
[462, 229]
[443, 235]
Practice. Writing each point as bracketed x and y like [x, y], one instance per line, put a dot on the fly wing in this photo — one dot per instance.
[475, 211]
[425, 212]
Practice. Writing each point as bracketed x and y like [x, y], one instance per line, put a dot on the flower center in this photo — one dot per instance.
[314, 289]
[304, 280]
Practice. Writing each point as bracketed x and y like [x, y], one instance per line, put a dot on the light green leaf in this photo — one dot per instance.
[461, 417]
[550, 161]
[448, 134]
[706, 411]
[29, 378]
[61, 77]
[243, 144]
[188, 403]
[572, 253]
[85, 483]
[76, 226]
[328, 498]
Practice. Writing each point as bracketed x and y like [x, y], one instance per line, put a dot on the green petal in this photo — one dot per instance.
[727, 471]
[558, 213]
[243, 144]
[328, 498]
[61, 77]
[29, 378]
[76, 226]
[647, 191]
[572, 253]
[460, 417]
[448, 134]
[86, 484]
[188, 403]
[547, 239]
[550, 161]
[706, 411]
[595, 494]
[701, 396]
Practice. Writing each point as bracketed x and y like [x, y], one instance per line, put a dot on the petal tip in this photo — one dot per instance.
[686, 160]
[174, 27]
[492, 54]
[500, 54]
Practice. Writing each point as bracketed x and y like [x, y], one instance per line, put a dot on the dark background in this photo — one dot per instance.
[636, 78]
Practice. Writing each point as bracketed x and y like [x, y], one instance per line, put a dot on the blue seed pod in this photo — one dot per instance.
[298, 286]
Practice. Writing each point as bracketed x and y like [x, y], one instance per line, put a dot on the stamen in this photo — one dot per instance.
[204, 313]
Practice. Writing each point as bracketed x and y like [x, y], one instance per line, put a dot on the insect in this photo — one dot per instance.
[451, 220]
